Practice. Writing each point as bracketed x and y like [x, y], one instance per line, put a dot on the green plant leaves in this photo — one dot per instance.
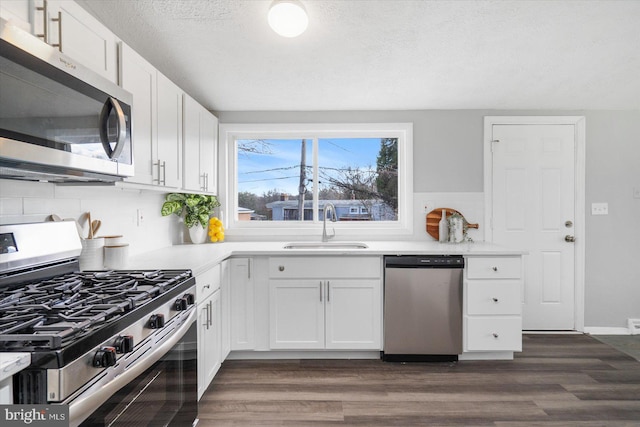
[197, 207]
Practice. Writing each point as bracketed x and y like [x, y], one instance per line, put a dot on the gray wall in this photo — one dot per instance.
[448, 157]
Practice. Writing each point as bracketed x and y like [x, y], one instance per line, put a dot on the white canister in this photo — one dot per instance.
[116, 256]
[113, 240]
[92, 255]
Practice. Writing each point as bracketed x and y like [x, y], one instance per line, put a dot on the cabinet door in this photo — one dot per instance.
[191, 157]
[296, 314]
[208, 150]
[139, 77]
[208, 341]
[81, 36]
[168, 162]
[242, 304]
[23, 14]
[225, 309]
[353, 314]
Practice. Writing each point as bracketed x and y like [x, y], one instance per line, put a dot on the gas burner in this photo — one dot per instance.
[49, 313]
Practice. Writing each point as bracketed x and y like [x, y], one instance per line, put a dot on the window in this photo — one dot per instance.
[285, 176]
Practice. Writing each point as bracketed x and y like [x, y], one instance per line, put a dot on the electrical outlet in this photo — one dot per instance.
[600, 208]
[139, 217]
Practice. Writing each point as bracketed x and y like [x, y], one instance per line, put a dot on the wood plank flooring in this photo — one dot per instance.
[558, 380]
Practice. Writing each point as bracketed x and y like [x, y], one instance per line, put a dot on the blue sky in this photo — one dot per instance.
[259, 173]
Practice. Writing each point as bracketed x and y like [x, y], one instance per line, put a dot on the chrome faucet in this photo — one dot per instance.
[328, 207]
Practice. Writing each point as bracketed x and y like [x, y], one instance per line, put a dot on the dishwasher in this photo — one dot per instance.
[422, 308]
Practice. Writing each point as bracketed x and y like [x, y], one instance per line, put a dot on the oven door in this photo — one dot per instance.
[164, 394]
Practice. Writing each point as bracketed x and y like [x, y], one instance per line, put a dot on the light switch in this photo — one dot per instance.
[600, 208]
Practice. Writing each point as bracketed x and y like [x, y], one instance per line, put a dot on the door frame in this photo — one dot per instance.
[579, 223]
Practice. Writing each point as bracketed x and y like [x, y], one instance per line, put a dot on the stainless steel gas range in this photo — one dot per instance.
[117, 347]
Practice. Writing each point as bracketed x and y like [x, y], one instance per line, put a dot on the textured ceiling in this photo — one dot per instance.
[391, 55]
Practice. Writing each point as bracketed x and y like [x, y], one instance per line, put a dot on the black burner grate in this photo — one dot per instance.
[49, 313]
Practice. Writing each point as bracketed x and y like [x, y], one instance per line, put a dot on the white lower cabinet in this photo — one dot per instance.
[492, 305]
[328, 308]
[242, 304]
[209, 327]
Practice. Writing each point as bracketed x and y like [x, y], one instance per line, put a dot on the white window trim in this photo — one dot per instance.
[229, 133]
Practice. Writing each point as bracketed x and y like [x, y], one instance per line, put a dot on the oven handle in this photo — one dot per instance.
[87, 403]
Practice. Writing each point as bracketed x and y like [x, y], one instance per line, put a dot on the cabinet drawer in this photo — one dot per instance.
[494, 267]
[322, 267]
[207, 283]
[493, 297]
[493, 333]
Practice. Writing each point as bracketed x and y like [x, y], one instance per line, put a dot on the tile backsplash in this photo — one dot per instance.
[117, 208]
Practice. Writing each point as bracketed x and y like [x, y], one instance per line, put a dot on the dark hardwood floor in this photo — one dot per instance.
[558, 380]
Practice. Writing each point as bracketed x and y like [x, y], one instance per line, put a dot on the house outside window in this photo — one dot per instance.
[285, 175]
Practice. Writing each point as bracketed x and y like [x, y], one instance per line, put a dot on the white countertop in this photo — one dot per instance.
[12, 363]
[201, 257]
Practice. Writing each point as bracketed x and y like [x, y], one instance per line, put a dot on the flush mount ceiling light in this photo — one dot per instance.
[288, 17]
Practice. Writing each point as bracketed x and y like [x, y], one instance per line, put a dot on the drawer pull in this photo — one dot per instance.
[495, 335]
[494, 268]
[206, 286]
[494, 299]
[281, 268]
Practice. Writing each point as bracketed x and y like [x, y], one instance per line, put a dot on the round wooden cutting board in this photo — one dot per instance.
[434, 217]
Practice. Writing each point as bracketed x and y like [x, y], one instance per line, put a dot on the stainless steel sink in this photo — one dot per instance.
[325, 245]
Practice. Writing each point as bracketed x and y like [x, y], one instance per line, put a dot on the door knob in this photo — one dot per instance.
[569, 238]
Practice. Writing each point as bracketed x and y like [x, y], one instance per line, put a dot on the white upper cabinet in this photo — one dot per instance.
[200, 147]
[80, 36]
[168, 159]
[140, 78]
[156, 121]
[72, 30]
[23, 14]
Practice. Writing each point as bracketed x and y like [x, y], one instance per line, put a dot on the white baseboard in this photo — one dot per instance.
[600, 330]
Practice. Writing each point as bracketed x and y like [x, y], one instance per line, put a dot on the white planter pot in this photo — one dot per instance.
[198, 234]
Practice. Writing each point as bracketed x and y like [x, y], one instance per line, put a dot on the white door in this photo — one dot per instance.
[533, 203]
[296, 310]
[353, 314]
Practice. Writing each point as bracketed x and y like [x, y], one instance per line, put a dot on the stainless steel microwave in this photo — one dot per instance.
[59, 121]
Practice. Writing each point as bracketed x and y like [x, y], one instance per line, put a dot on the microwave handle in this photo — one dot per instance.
[121, 127]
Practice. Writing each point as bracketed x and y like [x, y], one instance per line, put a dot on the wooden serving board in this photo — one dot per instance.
[434, 217]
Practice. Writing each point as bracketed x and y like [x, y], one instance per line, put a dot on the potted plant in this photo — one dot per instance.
[197, 208]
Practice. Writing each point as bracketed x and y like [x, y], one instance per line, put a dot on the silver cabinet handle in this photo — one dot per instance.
[164, 173]
[569, 238]
[494, 268]
[158, 180]
[281, 268]
[208, 316]
[495, 335]
[59, 21]
[320, 287]
[328, 291]
[494, 299]
[45, 33]
[210, 313]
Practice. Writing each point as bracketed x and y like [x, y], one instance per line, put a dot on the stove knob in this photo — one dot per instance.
[191, 299]
[124, 344]
[156, 321]
[105, 357]
[181, 304]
